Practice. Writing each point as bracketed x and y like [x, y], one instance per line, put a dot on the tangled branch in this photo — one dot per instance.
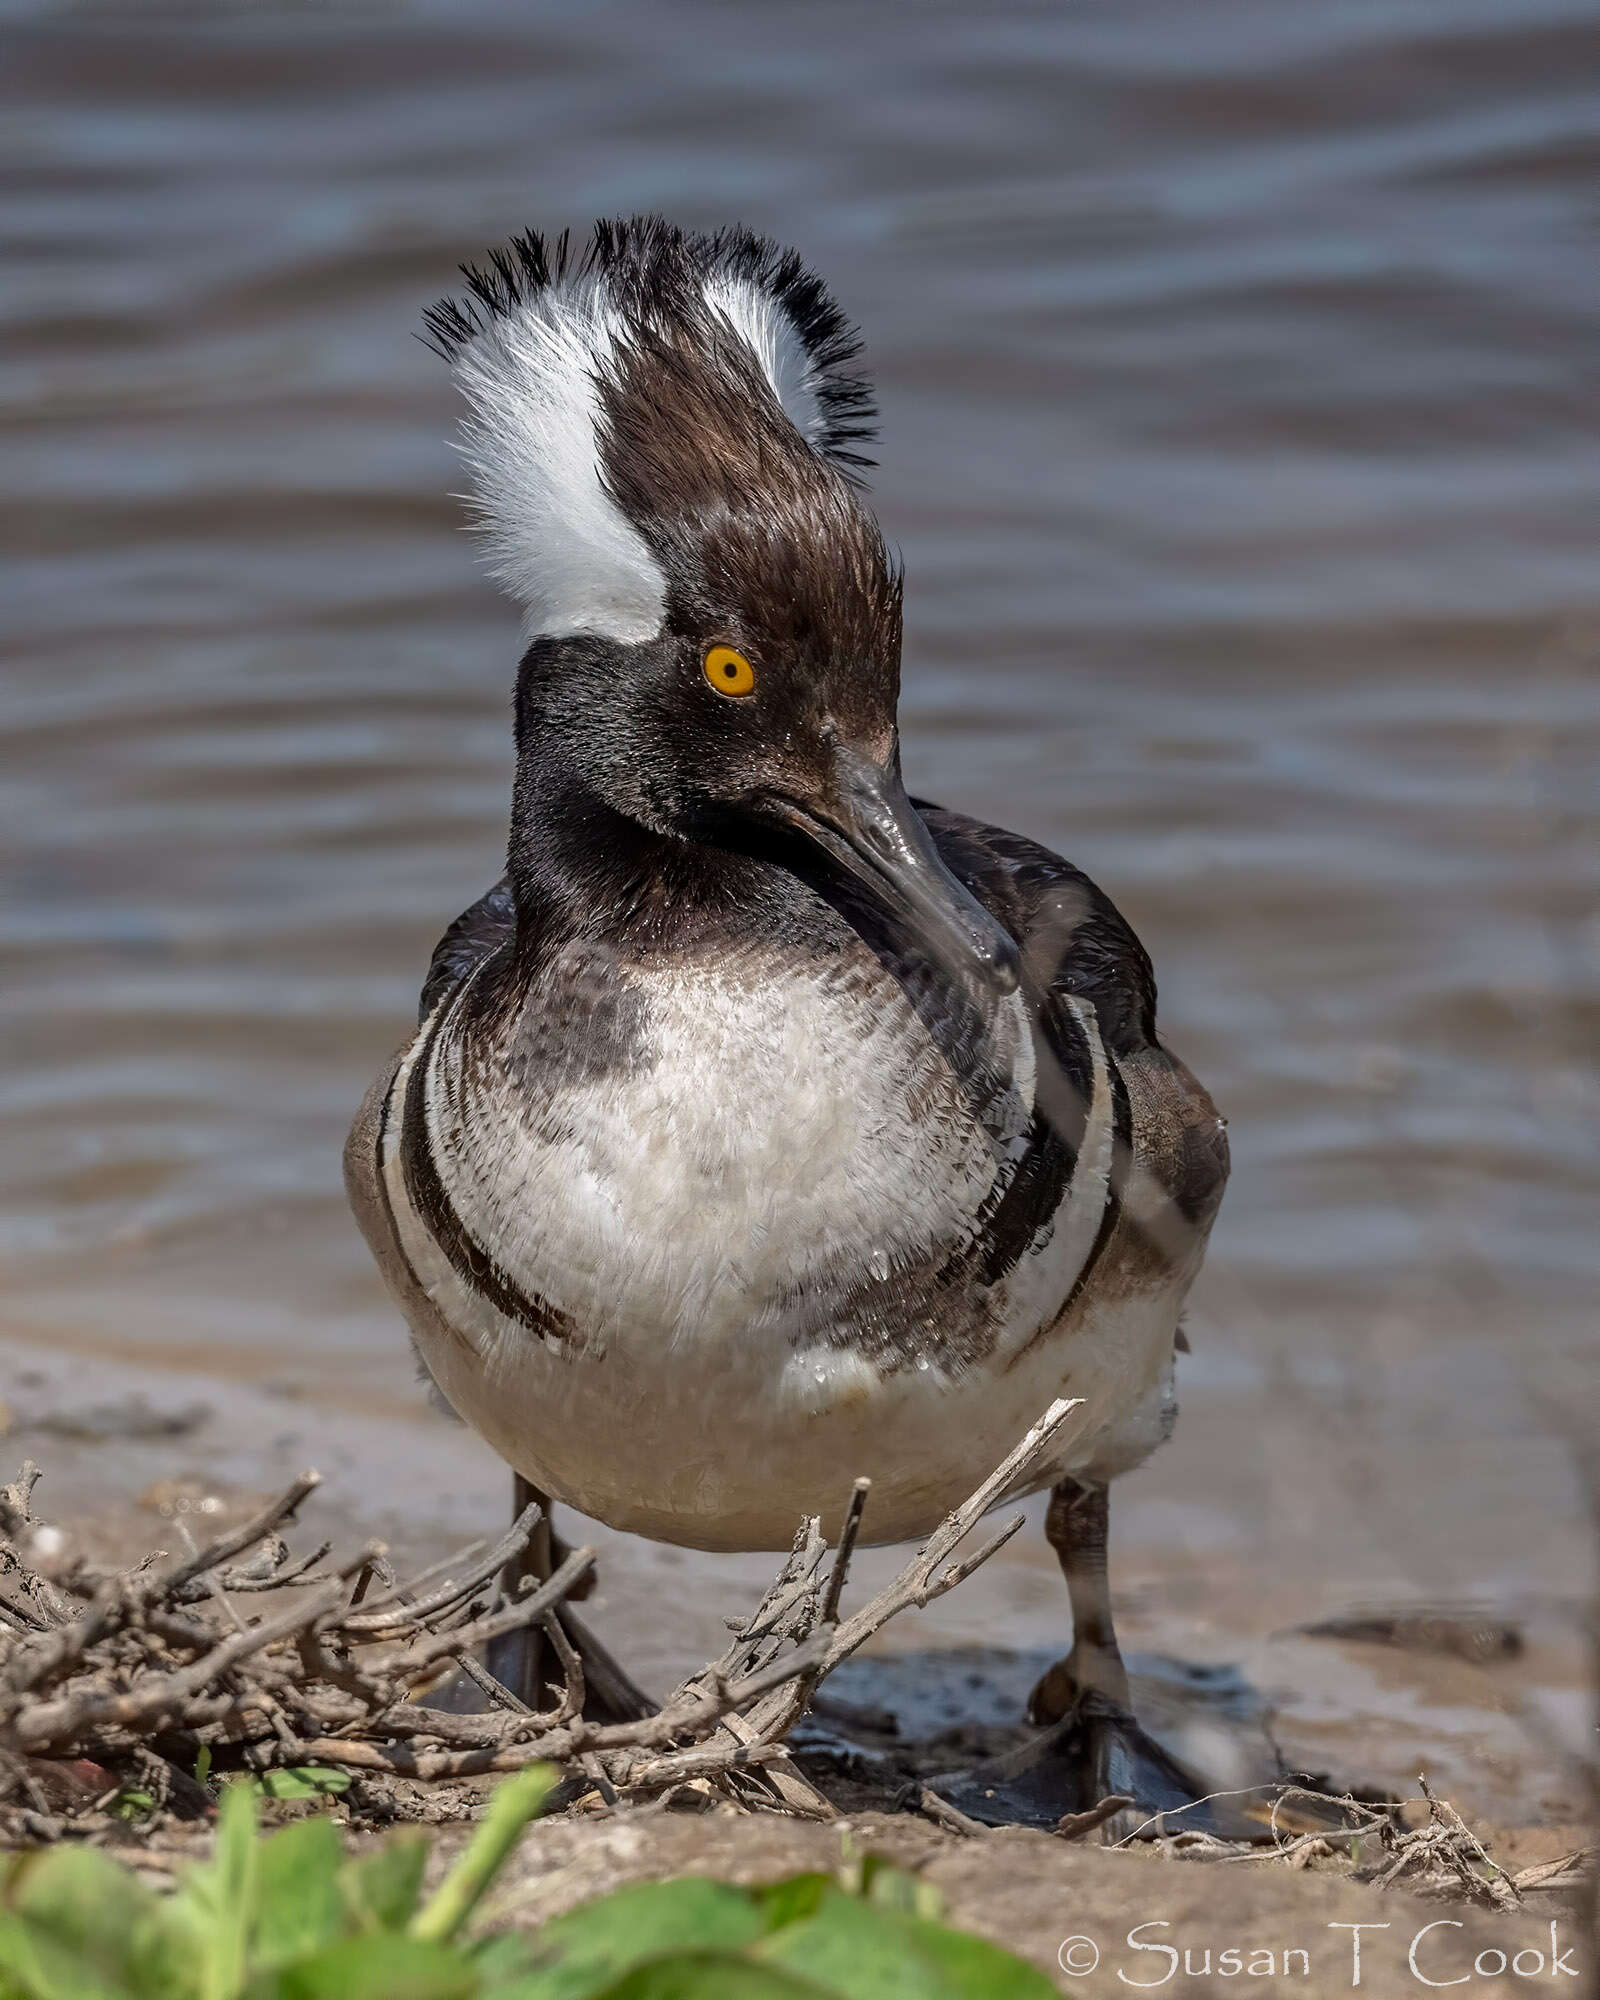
[333, 1663]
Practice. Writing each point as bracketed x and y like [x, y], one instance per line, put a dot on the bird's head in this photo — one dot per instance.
[663, 433]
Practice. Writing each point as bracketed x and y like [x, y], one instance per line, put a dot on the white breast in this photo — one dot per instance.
[680, 1206]
[771, 1128]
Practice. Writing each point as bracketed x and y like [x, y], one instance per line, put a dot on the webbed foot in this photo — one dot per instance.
[1096, 1752]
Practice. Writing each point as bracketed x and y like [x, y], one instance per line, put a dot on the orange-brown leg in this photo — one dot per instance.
[1077, 1524]
[1091, 1747]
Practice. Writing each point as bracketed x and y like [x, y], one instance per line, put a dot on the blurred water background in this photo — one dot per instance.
[1238, 369]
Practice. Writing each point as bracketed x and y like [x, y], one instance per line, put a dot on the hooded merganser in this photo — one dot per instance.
[765, 1127]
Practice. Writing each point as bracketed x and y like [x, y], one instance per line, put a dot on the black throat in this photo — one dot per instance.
[579, 868]
[582, 871]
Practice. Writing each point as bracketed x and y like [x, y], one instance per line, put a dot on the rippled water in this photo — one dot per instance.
[1238, 367]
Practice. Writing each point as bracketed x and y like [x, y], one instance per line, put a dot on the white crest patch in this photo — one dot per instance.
[765, 327]
[556, 539]
[535, 344]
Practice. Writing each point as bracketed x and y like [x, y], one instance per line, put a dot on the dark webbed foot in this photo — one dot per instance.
[1092, 1748]
[1097, 1751]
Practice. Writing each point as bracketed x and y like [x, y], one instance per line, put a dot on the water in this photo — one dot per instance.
[1238, 370]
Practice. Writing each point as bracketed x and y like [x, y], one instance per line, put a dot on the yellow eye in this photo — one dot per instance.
[729, 672]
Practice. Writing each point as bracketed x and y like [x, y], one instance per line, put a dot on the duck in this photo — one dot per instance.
[766, 1128]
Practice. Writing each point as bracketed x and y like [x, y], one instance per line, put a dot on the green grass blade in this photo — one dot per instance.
[458, 1895]
[215, 1904]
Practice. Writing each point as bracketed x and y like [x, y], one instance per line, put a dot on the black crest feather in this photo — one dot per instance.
[648, 267]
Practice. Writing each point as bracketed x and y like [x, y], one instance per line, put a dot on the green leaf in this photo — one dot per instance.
[202, 1764]
[705, 1975]
[35, 1964]
[379, 1966]
[303, 1781]
[894, 1889]
[382, 1889]
[238, 1824]
[216, 1901]
[301, 1909]
[173, 1958]
[500, 1962]
[285, 1784]
[97, 1926]
[170, 1964]
[584, 1952]
[790, 1901]
[89, 1905]
[510, 1808]
[326, 1777]
[864, 1951]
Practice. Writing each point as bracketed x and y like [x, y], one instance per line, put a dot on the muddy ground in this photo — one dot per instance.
[1100, 1920]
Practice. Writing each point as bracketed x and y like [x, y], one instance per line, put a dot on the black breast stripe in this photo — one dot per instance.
[1013, 1216]
[470, 1261]
[1121, 1156]
[385, 1125]
[1016, 1214]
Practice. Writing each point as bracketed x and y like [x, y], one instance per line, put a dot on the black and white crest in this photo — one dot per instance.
[605, 385]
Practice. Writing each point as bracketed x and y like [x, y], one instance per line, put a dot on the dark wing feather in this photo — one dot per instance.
[490, 923]
[1075, 941]
[1073, 937]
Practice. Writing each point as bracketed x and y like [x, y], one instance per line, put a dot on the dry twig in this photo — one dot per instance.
[118, 1669]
